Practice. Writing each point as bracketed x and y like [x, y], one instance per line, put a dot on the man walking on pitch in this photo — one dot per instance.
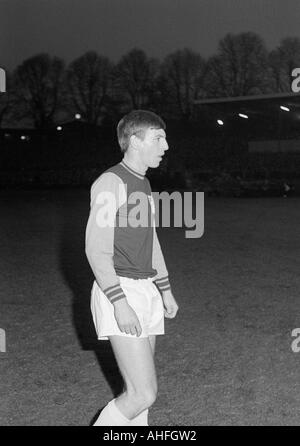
[131, 293]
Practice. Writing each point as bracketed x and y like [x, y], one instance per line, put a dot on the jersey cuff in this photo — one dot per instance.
[114, 293]
[163, 283]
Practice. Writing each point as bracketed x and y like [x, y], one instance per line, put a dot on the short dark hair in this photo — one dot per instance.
[136, 123]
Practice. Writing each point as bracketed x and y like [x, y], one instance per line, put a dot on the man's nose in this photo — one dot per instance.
[165, 145]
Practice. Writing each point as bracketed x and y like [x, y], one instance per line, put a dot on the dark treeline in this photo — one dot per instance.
[43, 91]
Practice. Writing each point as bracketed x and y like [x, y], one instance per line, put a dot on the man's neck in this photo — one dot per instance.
[135, 164]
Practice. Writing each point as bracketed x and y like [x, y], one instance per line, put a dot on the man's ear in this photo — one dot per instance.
[135, 142]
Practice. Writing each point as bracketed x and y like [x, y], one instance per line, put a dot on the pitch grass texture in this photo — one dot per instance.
[225, 360]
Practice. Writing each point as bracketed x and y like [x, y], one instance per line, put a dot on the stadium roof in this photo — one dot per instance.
[276, 115]
[292, 97]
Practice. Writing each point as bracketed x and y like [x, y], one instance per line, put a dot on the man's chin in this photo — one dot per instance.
[156, 163]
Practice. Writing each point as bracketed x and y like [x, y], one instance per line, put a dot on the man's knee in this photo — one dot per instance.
[145, 396]
[150, 396]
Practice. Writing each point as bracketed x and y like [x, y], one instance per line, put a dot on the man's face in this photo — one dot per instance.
[153, 147]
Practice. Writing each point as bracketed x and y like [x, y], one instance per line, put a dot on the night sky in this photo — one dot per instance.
[68, 28]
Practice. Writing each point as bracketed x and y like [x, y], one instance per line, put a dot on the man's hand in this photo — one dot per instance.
[170, 304]
[126, 318]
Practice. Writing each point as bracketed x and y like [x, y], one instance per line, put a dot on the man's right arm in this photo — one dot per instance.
[107, 195]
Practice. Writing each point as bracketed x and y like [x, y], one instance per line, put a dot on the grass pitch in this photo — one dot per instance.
[225, 360]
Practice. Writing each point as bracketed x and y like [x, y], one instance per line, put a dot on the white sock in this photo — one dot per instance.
[111, 416]
[141, 419]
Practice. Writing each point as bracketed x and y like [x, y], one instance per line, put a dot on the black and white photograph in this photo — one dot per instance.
[149, 215]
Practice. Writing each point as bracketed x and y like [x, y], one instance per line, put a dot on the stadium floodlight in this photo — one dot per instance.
[23, 137]
[59, 127]
[77, 116]
[284, 108]
[241, 115]
[220, 122]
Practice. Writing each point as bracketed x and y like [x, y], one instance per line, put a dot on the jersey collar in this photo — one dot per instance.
[134, 172]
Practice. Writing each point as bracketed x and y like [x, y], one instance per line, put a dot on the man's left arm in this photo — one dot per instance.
[162, 279]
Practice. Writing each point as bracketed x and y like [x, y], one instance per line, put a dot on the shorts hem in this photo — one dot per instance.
[104, 337]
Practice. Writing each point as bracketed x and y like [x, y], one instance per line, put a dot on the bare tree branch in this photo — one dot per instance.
[239, 68]
[282, 61]
[183, 72]
[135, 78]
[88, 82]
[37, 83]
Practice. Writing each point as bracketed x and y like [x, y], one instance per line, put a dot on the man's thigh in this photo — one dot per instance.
[135, 360]
[152, 340]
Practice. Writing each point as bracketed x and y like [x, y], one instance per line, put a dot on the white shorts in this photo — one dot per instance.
[142, 295]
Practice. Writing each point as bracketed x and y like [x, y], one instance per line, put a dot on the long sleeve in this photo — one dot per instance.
[158, 263]
[107, 195]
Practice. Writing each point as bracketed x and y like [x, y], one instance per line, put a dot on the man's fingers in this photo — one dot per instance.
[169, 310]
[138, 330]
[134, 328]
[170, 313]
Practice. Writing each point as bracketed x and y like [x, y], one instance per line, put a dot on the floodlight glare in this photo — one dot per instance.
[59, 127]
[77, 116]
[220, 122]
[23, 137]
[241, 115]
[284, 108]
